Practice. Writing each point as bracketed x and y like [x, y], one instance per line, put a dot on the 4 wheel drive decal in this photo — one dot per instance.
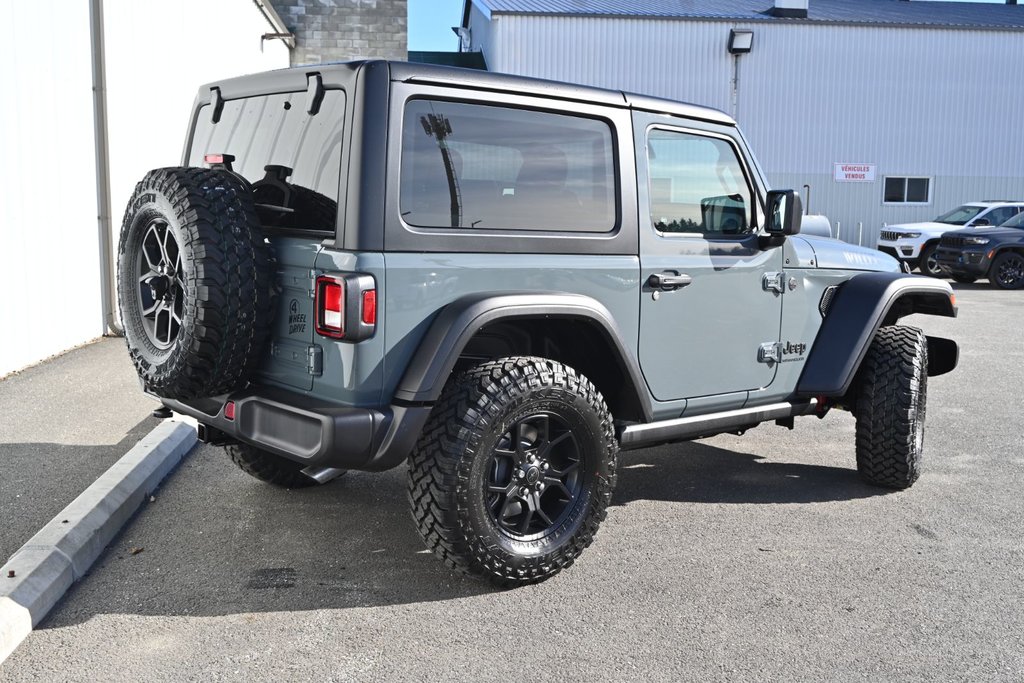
[296, 320]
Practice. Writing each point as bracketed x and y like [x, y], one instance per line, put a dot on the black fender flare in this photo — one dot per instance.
[861, 305]
[455, 325]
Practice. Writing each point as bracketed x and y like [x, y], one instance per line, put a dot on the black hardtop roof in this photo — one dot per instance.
[294, 78]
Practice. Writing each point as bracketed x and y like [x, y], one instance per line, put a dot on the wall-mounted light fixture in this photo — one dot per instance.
[465, 38]
[740, 41]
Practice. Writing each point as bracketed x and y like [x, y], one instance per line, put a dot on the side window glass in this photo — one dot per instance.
[1000, 215]
[480, 166]
[697, 185]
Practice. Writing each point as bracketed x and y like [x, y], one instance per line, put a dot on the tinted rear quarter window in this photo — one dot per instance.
[488, 167]
[300, 190]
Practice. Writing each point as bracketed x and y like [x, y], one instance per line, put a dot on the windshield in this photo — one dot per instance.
[960, 215]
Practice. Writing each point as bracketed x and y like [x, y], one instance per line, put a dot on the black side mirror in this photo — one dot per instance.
[981, 222]
[784, 211]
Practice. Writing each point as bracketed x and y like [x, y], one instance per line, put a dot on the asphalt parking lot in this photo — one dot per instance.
[759, 557]
[62, 424]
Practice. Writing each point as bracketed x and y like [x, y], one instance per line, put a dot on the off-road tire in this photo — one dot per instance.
[225, 283]
[928, 265]
[448, 468]
[269, 467]
[892, 386]
[1007, 270]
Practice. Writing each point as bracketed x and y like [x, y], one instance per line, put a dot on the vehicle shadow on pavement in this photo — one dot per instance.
[980, 284]
[699, 473]
[215, 542]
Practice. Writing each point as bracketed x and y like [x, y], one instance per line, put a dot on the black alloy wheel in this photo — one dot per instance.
[1008, 271]
[536, 476]
[514, 471]
[161, 283]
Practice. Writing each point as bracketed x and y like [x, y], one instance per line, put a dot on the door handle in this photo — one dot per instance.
[669, 281]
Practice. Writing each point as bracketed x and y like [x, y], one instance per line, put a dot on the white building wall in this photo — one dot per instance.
[912, 101]
[153, 76]
[157, 55]
[49, 254]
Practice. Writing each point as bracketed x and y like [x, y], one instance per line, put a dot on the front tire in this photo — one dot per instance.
[929, 265]
[1007, 271]
[514, 471]
[892, 386]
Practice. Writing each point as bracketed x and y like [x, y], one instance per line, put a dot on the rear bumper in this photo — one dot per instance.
[311, 431]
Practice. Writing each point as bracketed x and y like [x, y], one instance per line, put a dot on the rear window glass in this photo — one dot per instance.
[293, 159]
[477, 166]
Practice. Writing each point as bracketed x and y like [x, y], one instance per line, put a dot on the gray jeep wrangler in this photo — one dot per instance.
[503, 282]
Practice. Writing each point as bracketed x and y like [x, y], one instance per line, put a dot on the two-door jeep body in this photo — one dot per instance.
[503, 282]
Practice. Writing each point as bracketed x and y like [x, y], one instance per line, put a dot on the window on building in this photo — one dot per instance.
[480, 166]
[697, 185]
[907, 190]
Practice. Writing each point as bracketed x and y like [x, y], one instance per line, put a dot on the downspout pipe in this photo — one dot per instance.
[108, 287]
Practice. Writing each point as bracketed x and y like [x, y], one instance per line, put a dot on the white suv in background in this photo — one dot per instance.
[915, 243]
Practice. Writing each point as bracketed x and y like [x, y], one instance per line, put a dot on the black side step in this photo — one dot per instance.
[683, 428]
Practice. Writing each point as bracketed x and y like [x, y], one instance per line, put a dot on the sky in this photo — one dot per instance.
[431, 21]
[430, 24]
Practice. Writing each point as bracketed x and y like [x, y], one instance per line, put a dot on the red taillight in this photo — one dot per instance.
[213, 158]
[370, 307]
[345, 306]
[330, 307]
[229, 410]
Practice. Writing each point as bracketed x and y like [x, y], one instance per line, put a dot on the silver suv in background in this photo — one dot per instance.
[915, 243]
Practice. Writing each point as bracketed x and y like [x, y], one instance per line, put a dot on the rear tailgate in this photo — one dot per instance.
[293, 159]
[292, 357]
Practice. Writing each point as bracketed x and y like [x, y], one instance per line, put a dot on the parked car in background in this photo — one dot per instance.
[996, 253]
[916, 243]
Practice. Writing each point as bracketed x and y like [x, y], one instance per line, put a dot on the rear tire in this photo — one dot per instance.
[269, 467]
[892, 386]
[514, 471]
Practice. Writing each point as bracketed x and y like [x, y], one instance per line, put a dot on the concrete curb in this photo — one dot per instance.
[63, 550]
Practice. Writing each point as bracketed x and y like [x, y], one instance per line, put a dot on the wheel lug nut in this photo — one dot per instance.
[545, 466]
[519, 474]
[524, 491]
[541, 487]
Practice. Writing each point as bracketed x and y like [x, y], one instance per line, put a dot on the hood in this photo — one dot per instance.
[830, 253]
[997, 232]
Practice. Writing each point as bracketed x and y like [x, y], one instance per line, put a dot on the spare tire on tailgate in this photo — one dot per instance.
[194, 278]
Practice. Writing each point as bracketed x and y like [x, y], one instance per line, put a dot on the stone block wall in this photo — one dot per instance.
[339, 30]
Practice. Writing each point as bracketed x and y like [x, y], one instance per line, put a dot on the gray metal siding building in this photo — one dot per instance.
[927, 91]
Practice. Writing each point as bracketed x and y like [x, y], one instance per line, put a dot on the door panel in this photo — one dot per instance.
[698, 218]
